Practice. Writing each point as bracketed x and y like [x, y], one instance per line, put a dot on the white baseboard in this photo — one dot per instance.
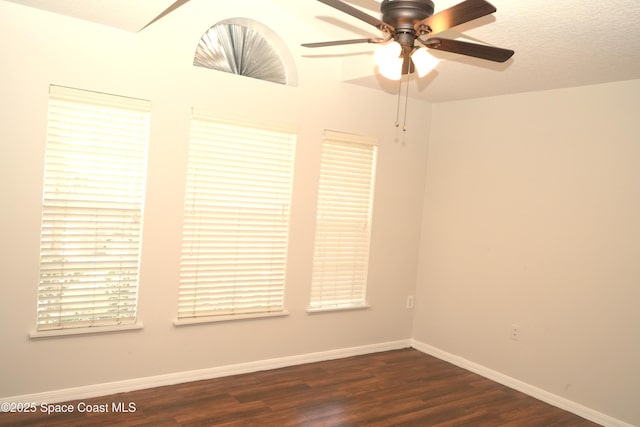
[97, 390]
[538, 393]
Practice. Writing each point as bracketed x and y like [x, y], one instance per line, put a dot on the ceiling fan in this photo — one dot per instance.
[409, 27]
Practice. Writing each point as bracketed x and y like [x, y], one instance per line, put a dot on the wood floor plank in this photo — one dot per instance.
[393, 388]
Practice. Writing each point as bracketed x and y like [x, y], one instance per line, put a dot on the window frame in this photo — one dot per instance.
[336, 178]
[288, 143]
[97, 153]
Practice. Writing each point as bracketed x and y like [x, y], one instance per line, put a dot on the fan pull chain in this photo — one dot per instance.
[398, 105]
[406, 102]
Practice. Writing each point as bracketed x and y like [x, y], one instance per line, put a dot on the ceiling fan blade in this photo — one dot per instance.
[341, 42]
[167, 11]
[459, 14]
[357, 13]
[470, 49]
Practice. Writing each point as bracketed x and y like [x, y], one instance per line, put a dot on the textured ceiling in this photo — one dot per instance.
[558, 43]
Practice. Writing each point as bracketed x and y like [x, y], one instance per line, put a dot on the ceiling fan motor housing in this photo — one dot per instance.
[405, 13]
[402, 15]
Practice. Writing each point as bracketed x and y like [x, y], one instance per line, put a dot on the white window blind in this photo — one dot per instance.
[236, 225]
[343, 223]
[94, 185]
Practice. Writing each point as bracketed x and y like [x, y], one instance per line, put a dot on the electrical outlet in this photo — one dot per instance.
[410, 301]
[515, 332]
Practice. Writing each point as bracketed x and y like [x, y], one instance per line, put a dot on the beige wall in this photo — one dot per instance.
[532, 217]
[38, 48]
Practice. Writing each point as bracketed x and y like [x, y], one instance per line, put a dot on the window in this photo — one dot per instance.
[247, 48]
[236, 225]
[94, 185]
[343, 223]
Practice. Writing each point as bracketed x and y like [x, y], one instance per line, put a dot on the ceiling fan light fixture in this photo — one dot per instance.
[424, 61]
[388, 60]
[387, 53]
[392, 69]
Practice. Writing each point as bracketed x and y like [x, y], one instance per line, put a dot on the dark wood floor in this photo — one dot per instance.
[394, 388]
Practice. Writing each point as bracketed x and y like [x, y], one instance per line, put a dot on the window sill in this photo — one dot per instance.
[34, 335]
[330, 309]
[227, 318]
